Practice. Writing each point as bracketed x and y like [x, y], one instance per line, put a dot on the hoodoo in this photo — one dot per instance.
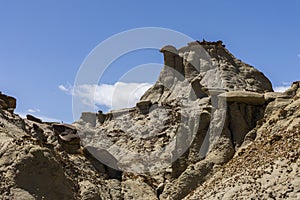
[211, 127]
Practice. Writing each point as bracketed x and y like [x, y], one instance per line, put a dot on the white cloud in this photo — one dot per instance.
[298, 55]
[63, 88]
[33, 110]
[119, 95]
[281, 88]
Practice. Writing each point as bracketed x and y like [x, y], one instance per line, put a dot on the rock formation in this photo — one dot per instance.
[7, 102]
[210, 127]
[33, 118]
[267, 166]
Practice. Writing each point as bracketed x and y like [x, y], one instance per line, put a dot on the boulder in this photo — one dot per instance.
[251, 98]
[33, 118]
[67, 137]
[7, 102]
[107, 159]
[144, 106]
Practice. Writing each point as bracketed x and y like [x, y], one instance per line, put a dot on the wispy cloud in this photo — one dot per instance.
[116, 96]
[63, 88]
[298, 55]
[283, 87]
[33, 110]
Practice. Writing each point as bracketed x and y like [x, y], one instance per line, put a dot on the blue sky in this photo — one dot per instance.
[43, 43]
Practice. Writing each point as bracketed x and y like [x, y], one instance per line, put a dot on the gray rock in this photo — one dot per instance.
[33, 118]
[109, 161]
[101, 117]
[144, 106]
[251, 98]
[216, 130]
[67, 137]
[89, 117]
[197, 89]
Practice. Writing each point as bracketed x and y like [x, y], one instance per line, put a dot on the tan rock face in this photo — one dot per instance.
[251, 98]
[210, 128]
[37, 170]
[192, 120]
[212, 64]
[268, 165]
[33, 165]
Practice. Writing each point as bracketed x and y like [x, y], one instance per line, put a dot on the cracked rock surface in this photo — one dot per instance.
[211, 127]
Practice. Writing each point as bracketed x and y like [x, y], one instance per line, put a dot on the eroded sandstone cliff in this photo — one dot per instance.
[211, 127]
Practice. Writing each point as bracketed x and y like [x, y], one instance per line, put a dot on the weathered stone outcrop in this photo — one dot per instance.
[251, 98]
[33, 118]
[89, 117]
[67, 137]
[201, 94]
[36, 164]
[101, 117]
[268, 165]
[209, 128]
[7, 102]
[294, 90]
[110, 163]
[209, 62]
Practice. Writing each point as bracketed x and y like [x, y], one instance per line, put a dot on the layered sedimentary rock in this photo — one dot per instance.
[211, 64]
[210, 127]
[267, 166]
[185, 124]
